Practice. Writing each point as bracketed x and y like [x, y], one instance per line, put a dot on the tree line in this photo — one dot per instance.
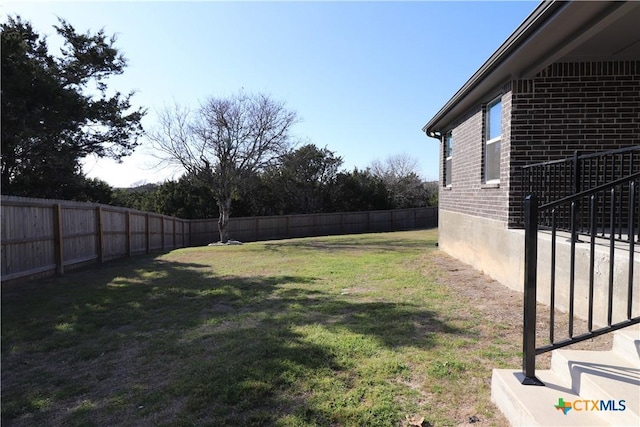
[308, 180]
[238, 153]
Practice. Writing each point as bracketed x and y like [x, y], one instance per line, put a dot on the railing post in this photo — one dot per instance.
[530, 278]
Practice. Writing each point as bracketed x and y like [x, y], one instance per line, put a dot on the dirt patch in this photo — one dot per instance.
[490, 300]
[498, 303]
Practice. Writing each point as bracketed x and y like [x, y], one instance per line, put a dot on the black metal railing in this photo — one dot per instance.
[606, 206]
[558, 179]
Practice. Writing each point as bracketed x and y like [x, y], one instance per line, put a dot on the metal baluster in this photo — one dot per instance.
[553, 277]
[611, 254]
[632, 194]
[620, 201]
[592, 259]
[572, 267]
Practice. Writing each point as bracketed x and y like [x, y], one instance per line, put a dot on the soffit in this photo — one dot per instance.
[554, 32]
[619, 41]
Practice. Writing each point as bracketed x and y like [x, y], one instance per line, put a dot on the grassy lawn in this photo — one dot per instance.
[333, 331]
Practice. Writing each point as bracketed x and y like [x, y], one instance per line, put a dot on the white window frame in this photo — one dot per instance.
[488, 142]
[448, 158]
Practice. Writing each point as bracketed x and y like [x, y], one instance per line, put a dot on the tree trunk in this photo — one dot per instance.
[223, 219]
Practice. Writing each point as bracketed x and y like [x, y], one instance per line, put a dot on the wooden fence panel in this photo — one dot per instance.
[168, 233]
[251, 229]
[426, 218]
[204, 231]
[355, 222]
[186, 233]
[380, 221]
[155, 233]
[301, 225]
[179, 243]
[44, 236]
[327, 224]
[403, 220]
[114, 232]
[271, 227]
[79, 235]
[243, 229]
[28, 240]
[138, 232]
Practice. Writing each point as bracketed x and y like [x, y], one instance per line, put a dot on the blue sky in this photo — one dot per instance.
[363, 76]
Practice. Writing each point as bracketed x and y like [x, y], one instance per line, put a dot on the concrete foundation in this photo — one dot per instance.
[489, 246]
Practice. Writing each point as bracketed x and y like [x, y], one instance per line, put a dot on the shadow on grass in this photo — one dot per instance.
[157, 342]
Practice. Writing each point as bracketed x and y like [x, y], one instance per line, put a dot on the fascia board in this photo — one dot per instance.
[532, 25]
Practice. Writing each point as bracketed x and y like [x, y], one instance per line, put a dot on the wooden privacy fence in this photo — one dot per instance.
[48, 236]
[252, 229]
[43, 237]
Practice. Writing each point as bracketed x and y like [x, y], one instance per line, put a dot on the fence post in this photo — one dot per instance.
[530, 278]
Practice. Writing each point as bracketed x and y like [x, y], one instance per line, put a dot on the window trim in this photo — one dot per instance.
[448, 159]
[487, 142]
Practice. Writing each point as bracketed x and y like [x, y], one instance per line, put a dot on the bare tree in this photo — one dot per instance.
[400, 175]
[224, 142]
[399, 165]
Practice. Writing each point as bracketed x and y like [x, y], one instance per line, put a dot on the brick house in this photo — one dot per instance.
[567, 79]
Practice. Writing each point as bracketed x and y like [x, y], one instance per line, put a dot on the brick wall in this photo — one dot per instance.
[589, 107]
[468, 193]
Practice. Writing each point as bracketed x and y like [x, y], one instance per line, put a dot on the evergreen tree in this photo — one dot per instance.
[56, 110]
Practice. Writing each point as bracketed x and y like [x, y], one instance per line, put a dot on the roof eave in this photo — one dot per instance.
[536, 20]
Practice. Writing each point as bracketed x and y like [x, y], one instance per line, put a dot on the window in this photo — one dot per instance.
[492, 141]
[448, 147]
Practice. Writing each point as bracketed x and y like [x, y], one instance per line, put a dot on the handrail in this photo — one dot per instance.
[589, 192]
[531, 211]
[585, 156]
[550, 162]
[558, 180]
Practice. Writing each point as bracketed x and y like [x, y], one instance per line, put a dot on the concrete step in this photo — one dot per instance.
[602, 376]
[626, 342]
[579, 378]
[536, 406]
